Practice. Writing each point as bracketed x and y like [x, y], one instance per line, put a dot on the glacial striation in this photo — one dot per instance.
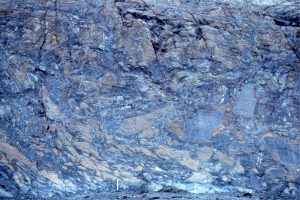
[150, 96]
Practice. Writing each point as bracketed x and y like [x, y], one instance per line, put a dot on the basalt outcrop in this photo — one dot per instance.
[153, 95]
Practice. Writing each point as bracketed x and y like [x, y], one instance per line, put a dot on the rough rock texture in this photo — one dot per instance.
[161, 96]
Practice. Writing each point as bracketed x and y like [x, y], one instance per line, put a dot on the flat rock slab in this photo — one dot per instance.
[200, 128]
[245, 101]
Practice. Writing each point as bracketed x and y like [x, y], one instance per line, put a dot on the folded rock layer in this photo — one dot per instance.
[152, 95]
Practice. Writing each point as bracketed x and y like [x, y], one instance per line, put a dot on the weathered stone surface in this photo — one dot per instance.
[162, 97]
[245, 102]
[203, 124]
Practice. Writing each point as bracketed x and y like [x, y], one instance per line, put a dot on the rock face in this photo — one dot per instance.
[203, 124]
[195, 96]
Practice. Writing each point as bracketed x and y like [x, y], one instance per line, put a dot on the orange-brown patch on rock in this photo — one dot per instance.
[269, 134]
[190, 163]
[53, 128]
[87, 163]
[140, 53]
[87, 148]
[144, 151]
[205, 153]
[164, 152]
[58, 144]
[129, 178]
[201, 177]
[150, 132]
[52, 110]
[224, 158]
[53, 177]
[112, 149]
[103, 166]
[13, 153]
[217, 131]
[73, 153]
[107, 81]
[84, 128]
[239, 137]
[105, 175]
[142, 122]
[140, 167]
[123, 148]
[56, 151]
[181, 156]
[176, 127]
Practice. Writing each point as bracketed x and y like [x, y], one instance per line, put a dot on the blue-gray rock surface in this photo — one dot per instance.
[188, 99]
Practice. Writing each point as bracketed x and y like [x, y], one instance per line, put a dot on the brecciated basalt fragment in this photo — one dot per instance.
[179, 98]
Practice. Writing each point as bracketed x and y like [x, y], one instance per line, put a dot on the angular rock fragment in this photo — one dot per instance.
[245, 102]
[136, 43]
[200, 128]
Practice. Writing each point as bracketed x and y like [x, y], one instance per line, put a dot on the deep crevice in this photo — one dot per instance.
[294, 21]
